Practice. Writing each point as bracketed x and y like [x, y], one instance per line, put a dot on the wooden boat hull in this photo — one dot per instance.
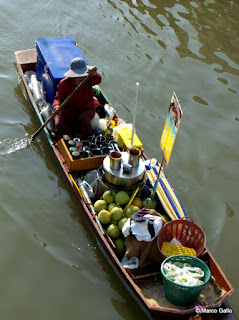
[26, 61]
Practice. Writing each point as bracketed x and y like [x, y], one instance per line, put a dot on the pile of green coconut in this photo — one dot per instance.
[113, 211]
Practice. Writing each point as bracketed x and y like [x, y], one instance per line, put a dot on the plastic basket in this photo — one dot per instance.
[180, 294]
[184, 230]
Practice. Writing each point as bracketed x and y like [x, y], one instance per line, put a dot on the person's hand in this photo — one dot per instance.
[56, 108]
[92, 71]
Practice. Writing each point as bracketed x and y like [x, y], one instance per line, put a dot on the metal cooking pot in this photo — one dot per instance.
[120, 177]
[103, 185]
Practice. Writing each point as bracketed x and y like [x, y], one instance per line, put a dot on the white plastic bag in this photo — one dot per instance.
[95, 122]
[132, 263]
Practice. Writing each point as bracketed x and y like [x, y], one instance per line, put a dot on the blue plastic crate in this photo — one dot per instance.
[53, 60]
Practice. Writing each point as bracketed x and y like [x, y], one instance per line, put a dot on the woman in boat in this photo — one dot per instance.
[76, 115]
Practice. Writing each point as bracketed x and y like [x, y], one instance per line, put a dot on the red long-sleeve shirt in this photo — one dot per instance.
[83, 97]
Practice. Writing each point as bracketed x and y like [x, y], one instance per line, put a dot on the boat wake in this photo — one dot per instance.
[10, 145]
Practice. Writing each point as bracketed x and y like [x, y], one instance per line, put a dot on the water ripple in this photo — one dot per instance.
[193, 29]
[10, 145]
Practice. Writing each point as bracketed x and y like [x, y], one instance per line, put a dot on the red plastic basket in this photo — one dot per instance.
[184, 230]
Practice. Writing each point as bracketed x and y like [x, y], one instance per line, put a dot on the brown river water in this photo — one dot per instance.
[51, 268]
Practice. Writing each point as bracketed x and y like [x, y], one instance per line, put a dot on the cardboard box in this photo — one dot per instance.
[123, 133]
[79, 164]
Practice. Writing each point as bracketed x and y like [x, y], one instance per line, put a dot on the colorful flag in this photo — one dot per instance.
[171, 127]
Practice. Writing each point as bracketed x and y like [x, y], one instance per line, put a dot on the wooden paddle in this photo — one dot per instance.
[60, 107]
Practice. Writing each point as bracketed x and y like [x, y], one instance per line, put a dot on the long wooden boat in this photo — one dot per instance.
[39, 60]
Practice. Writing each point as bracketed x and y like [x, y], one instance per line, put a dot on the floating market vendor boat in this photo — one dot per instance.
[106, 166]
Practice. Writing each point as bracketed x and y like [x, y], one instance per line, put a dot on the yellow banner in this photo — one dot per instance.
[171, 127]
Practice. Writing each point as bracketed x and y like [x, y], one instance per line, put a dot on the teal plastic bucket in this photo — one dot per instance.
[179, 294]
